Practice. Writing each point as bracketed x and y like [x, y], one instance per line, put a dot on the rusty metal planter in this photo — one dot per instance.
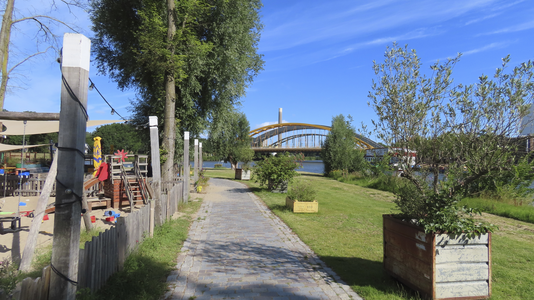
[302, 206]
[439, 266]
[241, 174]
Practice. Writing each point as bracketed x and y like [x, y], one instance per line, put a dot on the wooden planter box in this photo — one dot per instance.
[302, 207]
[439, 266]
[241, 174]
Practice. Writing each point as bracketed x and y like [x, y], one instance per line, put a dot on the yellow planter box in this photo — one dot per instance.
[302, 207]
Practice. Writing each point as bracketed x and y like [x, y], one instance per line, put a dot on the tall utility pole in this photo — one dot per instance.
[69, 181]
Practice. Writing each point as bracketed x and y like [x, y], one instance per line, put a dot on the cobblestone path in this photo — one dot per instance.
[237, 249]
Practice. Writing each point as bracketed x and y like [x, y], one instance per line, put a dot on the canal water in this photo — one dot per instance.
[312, 166]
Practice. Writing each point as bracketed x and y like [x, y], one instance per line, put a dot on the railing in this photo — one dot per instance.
[104, 255]
[141, 182]
[127, 187]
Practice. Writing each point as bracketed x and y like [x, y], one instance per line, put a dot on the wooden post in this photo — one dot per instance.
[186, 166]
[69, 188]
[87, 215]
[195, 158]
[156, 168]
[29, 248]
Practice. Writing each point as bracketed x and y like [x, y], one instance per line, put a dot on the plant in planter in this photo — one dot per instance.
[301, 197]
[277, 171]
[433, 245]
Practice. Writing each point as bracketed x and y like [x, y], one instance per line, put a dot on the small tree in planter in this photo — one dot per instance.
[465, 130]
[277, 171]
[301, 197]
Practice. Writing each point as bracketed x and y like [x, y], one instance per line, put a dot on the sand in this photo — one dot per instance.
[46, 230]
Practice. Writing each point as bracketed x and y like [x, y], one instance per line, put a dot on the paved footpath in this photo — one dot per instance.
[237, 249]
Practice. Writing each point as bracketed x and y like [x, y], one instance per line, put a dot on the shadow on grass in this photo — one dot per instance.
[366, 277]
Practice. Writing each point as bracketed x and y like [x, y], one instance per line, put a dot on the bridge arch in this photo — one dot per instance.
[297, 137]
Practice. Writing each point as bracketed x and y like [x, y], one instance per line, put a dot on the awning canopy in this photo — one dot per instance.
[39, 127]
[6, 148]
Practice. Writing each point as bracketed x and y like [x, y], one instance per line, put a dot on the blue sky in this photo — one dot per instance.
[318, 54]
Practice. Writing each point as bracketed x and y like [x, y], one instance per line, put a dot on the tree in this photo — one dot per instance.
[211, 57]
[340, 150]
[229, 139]
[44, 35]
[465, 128]
[121, 136]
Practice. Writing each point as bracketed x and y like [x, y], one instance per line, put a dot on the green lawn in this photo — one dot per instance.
[347, 235]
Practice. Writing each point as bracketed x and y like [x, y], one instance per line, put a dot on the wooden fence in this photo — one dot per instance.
[12, 185]
[106, 253]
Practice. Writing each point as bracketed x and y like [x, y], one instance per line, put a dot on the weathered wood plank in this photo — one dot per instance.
[462, 289]
[458, 272]
[471, 253]
[445, 239]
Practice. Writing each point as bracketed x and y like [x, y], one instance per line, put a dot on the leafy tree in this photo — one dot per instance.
[121, 136]
[466, 128]
[211, 58]
[340, 150]
[229, 139]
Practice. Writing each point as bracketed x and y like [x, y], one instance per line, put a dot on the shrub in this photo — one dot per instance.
[218, 166]
[302, 191]
[277, 169]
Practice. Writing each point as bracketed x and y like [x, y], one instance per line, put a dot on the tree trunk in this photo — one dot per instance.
[5, 36]
[169, 127]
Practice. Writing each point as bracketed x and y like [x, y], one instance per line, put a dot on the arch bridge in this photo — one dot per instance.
[297, 137]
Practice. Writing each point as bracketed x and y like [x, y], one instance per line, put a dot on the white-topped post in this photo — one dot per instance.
[196, 161]
[186, 166]
[156, 170]
[75, 59]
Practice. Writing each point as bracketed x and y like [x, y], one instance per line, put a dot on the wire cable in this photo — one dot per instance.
[112, 109]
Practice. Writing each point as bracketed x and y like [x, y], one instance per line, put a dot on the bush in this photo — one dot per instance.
[218, 166]
[276, 169]
[302, 191]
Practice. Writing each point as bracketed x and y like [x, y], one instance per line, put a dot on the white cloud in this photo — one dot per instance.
[269, 123]
[520, 27]
[484, 48]
[482, 19]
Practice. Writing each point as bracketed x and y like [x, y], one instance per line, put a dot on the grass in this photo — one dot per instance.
[347, 235]
[146, 269]
[522, 212]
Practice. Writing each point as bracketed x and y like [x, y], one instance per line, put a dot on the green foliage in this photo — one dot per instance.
[302, 191]
[274, 170]
[229, 138]
[465, 128]
[218, 166]
[121, 136]
[213, 56]
[513, 184]
[202, 180]
[9, 276]
[339, 148]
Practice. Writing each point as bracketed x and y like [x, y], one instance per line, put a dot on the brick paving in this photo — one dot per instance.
[237, 249]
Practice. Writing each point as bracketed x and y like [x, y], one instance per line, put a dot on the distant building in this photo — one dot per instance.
[397, 155]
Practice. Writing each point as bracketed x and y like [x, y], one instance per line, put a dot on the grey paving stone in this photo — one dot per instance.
[237, 249]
